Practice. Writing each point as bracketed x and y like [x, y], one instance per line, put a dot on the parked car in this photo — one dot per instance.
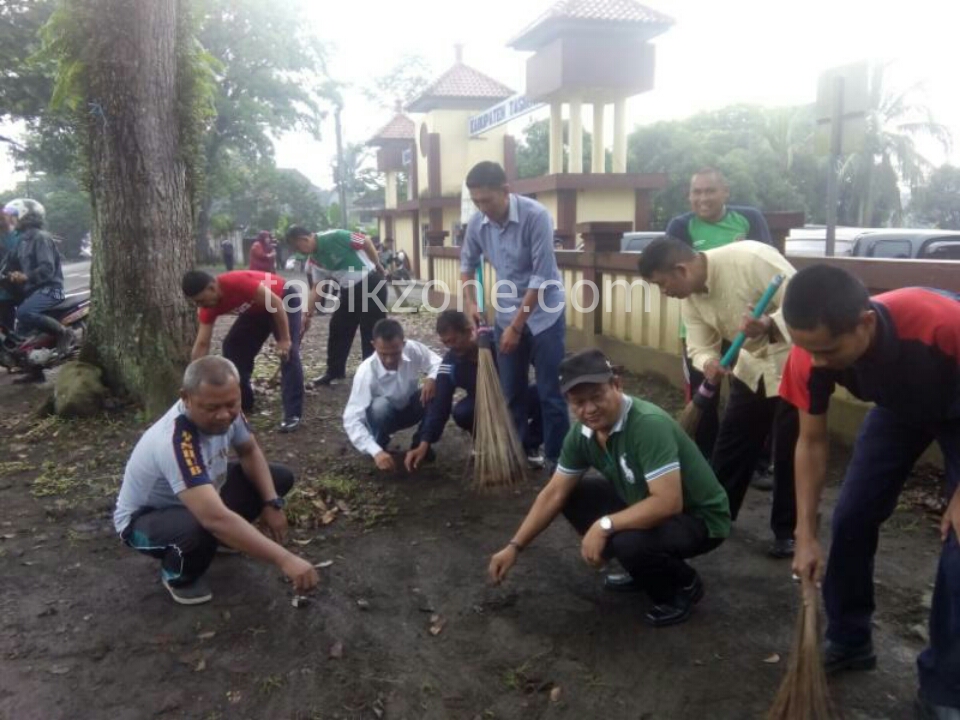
[909, 244]
[637, 241]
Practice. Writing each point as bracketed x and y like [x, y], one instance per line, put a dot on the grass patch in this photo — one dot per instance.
[317, 501]
[55, 480]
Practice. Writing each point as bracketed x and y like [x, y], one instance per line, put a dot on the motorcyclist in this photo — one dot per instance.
[39, 277]
[8, 291]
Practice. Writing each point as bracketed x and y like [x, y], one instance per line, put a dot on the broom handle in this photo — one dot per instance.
[730, 355]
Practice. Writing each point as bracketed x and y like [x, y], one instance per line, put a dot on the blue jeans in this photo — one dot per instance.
[384, 419]
[31, 310]
[886, 450]
[544, 352]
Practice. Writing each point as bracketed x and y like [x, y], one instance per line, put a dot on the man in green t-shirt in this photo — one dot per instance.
[657, 503]
[351, 262]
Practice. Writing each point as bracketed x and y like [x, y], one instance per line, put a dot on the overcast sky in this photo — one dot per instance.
[768, 52]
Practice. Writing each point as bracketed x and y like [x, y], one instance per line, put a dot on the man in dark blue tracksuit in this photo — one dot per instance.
[900, 350]
[459, 370]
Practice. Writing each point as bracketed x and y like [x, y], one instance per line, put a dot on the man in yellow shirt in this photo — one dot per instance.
[718, 289]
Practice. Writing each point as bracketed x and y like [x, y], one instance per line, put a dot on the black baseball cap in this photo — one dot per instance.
[587, 366]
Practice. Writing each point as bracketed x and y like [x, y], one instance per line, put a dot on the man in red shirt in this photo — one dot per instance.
[264, 305]
[263, 253]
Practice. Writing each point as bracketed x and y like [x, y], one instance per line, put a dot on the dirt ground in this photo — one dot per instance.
[404, 624]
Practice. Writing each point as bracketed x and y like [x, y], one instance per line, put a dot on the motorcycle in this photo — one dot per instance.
[38, 350]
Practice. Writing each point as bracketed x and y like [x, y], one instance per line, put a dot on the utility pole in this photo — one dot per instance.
[341, 172]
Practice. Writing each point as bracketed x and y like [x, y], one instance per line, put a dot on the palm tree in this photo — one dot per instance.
[870, 178]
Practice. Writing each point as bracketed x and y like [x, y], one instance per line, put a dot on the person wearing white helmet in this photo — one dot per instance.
[39, 276]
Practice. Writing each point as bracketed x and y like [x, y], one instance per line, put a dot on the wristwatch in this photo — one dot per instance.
[276, 503]
[606, 524]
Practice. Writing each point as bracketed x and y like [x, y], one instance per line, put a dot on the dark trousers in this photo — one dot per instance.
[740, 443]
[30, 312]
[8, 314]
[885, 451]
[248, 334]
[655, 557]
[384, 419]
[358, 307]
[228, 261]
[463, 416]
[706, 435]
[183, 546]
[544, 352]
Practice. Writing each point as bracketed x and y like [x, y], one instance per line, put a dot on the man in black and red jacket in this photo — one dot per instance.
[900, 350]
[459, 370]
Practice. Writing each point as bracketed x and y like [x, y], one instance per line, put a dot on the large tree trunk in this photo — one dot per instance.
[141, 324]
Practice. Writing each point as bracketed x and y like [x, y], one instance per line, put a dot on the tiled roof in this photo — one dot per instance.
[461, 82]
[399, 128]
[592, 13]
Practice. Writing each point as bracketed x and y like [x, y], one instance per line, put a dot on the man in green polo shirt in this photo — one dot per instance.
[351, 261]
[656, 505]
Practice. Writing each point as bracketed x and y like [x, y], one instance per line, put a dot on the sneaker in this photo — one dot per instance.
[195, 593]
[290, 424]
[327, 379]
[535, 461]
[837, 657]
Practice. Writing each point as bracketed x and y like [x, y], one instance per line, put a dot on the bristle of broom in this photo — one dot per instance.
[499, 461]
[690, 419]
[803, 694]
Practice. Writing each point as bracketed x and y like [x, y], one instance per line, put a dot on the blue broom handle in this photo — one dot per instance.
[730, 355]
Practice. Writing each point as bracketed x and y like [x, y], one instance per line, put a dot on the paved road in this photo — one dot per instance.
[76, 277]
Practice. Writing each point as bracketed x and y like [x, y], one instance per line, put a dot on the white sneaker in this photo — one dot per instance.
[196, 593]
[535, 462]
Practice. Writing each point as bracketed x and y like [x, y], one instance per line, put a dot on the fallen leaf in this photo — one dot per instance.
[225, 614]
[206, 635]
[324, 564]
[773, 659]
[303, 542]
[328, 517]
[201, 666]
[555, 694]
[60, 669]
[336, 650]
[344, 508]
[436, 625]
[363, 604]
[234, 696]
[8, 536]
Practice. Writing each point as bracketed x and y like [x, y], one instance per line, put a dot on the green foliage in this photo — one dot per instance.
[67, 204]
[533, 153]
[938, 204]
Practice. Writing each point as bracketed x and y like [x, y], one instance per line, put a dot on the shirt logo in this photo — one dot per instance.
[627, 472]
[188, 454]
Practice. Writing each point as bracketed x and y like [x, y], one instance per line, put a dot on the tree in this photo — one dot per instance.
[938, 202]
[533, 152]
[870, 178]
[139, 65]
[269, 79]
[409, 77]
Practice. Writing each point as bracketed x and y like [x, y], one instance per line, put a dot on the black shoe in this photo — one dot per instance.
[782, 548]
[762, 480]
[291, 424]
[679, 609]
[925, 710]
[837, 657]
[327, 379]
[621, 582]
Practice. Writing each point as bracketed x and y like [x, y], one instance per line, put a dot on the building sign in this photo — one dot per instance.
[501, 113]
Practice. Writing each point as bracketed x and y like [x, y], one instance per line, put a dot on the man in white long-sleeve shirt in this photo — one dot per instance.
[386, 394]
